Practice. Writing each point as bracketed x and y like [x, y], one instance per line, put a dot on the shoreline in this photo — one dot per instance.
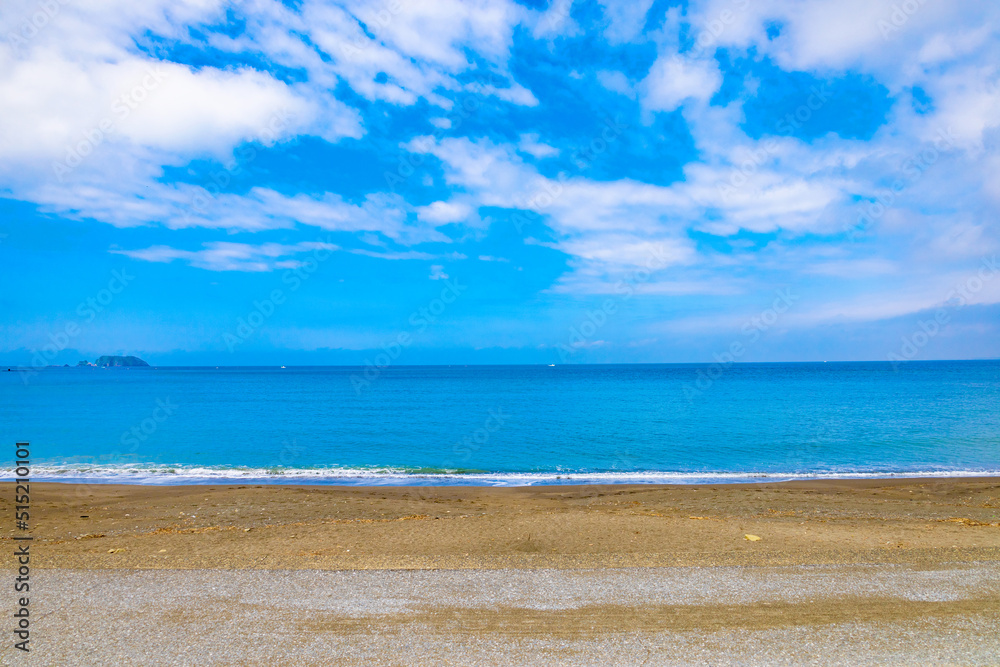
[408, 479]
[259, 526]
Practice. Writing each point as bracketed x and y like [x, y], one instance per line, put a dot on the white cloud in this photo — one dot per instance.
[229, 256]
[91, 121]
[893, 40]
[630, 250]
[530, 144]
[673, 79]
[224, 256]
[626, 19]
[772, 185]
[442, 212]
[555, 21]
[967, 104]
[515, 92]
[439, 32]
[406, 254]
[588, 217]
[616, 82]
[60, 85]
[186, 206]
[82, 72]
[474, 164]
[410, 50]
[59, 111]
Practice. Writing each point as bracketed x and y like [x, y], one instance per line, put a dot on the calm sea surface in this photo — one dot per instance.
[506, 424]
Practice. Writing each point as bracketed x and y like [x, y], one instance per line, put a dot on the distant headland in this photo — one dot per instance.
[108, 361]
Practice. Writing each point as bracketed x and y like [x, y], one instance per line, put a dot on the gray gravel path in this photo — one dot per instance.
[216, 617]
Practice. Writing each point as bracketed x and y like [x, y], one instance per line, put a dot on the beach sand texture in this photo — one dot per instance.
[336, 527]
[844, 572]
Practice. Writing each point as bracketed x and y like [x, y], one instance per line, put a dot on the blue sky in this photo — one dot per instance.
[499, 182]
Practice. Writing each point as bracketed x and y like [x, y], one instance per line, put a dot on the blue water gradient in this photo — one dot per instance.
[506, 424]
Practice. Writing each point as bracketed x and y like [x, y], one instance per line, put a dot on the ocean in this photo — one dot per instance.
[506, 425]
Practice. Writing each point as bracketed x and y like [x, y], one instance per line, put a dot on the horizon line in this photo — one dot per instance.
[19, 367]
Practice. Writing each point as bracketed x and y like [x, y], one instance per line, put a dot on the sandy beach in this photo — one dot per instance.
[569, 575]
[920, 521]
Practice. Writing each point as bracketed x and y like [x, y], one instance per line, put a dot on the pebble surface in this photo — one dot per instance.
[551, 617]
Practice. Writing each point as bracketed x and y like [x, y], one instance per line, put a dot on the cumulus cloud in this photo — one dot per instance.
[626, 19]
[673, 79]
[94, 112]
[81, 81]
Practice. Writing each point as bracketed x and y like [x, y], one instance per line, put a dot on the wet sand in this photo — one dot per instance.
[843, 572]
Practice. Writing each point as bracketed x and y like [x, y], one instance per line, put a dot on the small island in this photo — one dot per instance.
[108, 361]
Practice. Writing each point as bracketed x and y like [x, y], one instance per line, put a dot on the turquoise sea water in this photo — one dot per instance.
[506, 424]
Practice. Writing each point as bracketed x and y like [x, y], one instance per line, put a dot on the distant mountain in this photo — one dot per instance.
[112, 360]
